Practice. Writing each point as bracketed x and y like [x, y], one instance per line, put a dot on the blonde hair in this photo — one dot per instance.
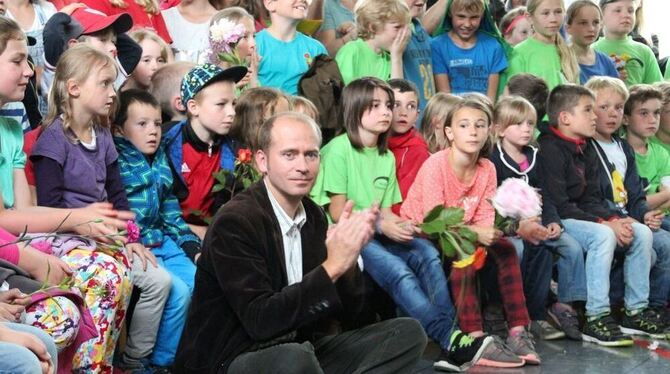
[472, 6]
[665, 88]
[250, 111]
[77, 63]
[569, 65]
[166, 83]
[143, 34]
[511, 110]
[305, 106]
[437, 108]
[372, 15]
[575, 7]
[234, 14]
[149, 6]
[597, 84]
[10, 30]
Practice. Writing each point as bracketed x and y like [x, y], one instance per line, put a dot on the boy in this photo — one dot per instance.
[417, 61]
[165, 87]
[147, 178]
[468, 57]
[535, 90]
[286, 53]
[635, 60]
[199, 147]
[384, 34]
[621, 185]
[566, 164]
[408, 147]
[662, 136]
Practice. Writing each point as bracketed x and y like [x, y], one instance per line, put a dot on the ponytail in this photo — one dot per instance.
[569, 64]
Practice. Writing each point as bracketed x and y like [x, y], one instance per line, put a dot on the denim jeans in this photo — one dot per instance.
[412, 274]
[659, 280]
[536, 263]
[15, 358]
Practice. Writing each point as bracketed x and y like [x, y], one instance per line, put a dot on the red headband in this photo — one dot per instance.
[516, 20]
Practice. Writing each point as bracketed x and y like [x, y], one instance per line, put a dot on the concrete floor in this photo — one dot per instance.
[571, 357]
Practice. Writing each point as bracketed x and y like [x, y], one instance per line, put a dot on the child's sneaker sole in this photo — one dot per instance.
[444, 365]
[631, 331]
[618, 343]
[499, 364]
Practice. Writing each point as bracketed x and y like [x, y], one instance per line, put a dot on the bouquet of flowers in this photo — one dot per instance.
[515, 200]
[244, 172]
[223, 38]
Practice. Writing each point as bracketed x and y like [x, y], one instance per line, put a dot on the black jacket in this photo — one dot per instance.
[241, 300]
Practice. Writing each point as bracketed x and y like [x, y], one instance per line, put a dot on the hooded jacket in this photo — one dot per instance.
[410, 151]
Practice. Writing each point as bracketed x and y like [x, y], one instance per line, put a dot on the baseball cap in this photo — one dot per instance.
[93, 20]
[203, 75]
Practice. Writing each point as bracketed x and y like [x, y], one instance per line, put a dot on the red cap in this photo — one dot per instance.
[93, 20]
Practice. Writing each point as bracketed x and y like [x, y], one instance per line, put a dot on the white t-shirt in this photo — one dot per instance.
[188, 39]
[615, 155]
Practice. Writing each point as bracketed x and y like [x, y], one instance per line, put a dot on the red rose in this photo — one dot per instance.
[244, 155]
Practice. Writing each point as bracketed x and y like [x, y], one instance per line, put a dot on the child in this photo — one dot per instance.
[461, 176]
[409, 149]
[621, 185]
[583, 24]
[245, 48]
[515, 26]
[188, 25]
[75, 165]
[155, 54]
[635, 61]
[662, 136]
[468, 58]
[199, 146]
[545, 54]
[252, 109]
[417, 61]
[515, 157]
[358, 166]
[145, 13]
[286, 53]
[567, 166]
[383, 37]
[166, 88]
[147, 178]
[304, 106]
[432, 123]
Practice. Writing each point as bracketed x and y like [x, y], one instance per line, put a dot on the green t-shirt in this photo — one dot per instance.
[637, 58]
[537, 58]
[357, 59]
[653, 166]
[363, 175]
[11, 157]
[667, 73]
[658, 141]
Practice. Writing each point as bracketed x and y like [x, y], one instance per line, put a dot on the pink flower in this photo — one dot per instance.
[133, 232]
[516, 199]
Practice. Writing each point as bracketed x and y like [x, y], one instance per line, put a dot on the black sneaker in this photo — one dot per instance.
[566, 320]
[662, 314]
[605, 331]
[645, 322]
[463, 352]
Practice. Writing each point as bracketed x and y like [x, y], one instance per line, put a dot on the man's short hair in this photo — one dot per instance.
[265, 132]
[641, 93]
[564, 98]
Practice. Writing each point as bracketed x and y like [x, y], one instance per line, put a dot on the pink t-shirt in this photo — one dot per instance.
[437, 184]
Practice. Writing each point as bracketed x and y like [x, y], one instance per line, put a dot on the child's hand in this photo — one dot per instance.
[531, 230]
[400, 42]
[142, 253]
[15, 296]
[554, 230]
[486, 235]
[101, 221]
[653, 219]
[51, 269]
[10, 312]
[68, 9]
[623, 231]
[31, 342]
[347, 29]
[397, 229]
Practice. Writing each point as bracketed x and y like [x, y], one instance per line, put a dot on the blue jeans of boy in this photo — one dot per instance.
[182, 270]
[412, 274]
[599, 242]
[16, 358]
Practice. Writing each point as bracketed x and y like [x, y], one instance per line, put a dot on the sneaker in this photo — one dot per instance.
[497, 355]
[565, 319]
[644, 322]
[463, 352]
[494, 321]
[605, 331]
[523, 346]
[662, 314]
[544, 330]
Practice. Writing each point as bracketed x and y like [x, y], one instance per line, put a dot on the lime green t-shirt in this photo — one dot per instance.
[357, 59]
[654, 165]
[637, 58]
[11, 157]
[667, 74]
[363, 175]
[534, 57]
[658, 141]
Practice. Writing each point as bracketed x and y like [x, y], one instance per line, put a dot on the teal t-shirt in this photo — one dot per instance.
[357, 59]
[284, 63]
[537, 58]
[363, 175]
[653, 166]
[637, 58]
[11, 157]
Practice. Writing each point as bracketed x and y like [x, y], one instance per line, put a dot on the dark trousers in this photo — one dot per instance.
[392, 346]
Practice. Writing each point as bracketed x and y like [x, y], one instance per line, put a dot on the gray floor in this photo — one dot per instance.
[563, 356]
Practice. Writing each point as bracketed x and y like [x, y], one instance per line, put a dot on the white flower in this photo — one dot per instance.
[226, 31]
[516, 199]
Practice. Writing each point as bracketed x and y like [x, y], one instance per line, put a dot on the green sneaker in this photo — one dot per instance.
[605, 331]
[645, 322]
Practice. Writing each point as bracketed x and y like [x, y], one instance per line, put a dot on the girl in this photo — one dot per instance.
[305, 106]
[145, 14]
[514, 157]
[358, 166]
[188, 24]
[432, 124]
[583, 21]
[252, 109]
[515, 26]
[461, 176]
[545, 54]
[155, 53]
[245, 48]
[32, 15]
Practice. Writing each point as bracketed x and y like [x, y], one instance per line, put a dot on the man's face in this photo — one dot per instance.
[291, 161]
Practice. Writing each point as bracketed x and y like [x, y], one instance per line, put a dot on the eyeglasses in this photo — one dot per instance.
[409, 107]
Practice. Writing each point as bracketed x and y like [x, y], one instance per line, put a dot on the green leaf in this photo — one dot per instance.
[246, 182]
[468, 247]
[467, 234]
[432, 227]
[452, 216]
[447, 248]
[434, 213]
[218, 187]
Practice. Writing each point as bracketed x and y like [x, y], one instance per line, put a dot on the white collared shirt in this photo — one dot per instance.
[290, 230]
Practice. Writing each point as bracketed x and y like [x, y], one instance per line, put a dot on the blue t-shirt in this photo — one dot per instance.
[417, 65]
[603, 67]
[468, 69]
[283, 63]
[335, 14]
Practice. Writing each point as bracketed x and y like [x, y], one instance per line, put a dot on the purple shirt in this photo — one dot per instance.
[85, 171]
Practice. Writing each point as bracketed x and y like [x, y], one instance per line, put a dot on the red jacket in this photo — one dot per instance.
[141, 20]
[410, 151]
